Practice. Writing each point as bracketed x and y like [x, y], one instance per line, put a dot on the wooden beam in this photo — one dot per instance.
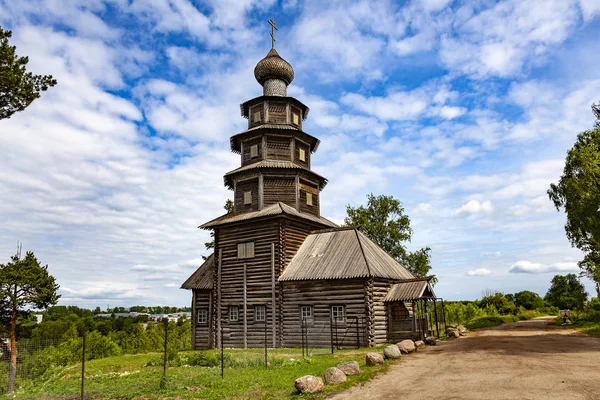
[273, 294]
[194, 319]
[218, 305]
[245, 309]
[261, 191]
[298, 192]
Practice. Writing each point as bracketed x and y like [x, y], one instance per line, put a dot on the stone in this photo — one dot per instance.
[349, 368]
[462, 330]
[419, 344]
[334, 376]
[453, 334]
[455, 326]
[309, 384]
[406, 346]
[392, 351]
[374, 358]
[430, 340]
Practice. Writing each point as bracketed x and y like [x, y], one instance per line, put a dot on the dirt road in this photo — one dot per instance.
[525, 360]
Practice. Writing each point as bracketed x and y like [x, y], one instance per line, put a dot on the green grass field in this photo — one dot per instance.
[139, 376]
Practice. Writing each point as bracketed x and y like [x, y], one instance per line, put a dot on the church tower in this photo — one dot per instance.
[276, 199]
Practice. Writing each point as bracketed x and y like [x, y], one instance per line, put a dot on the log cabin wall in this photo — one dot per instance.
[258, 278]
[247, 145]
[379, 333]
[307, 187]
[321, 295]
[257, 115]
[278, 148]
[298, 145]
[279, 189]
[296, 116]
[277, 112]
[250, 185]
[202, 338]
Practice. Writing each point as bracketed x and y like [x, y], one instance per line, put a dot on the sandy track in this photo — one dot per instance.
[525, 360]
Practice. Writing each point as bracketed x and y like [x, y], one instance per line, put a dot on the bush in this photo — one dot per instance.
[491, 320]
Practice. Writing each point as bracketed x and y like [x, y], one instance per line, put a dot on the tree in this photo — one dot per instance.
[24, 284]
[211, 245]
[384, 222]
[578, 193]
[566, 292]
[528, 300]
[18, 88]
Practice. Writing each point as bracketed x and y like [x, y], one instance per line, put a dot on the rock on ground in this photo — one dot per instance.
[309, 384]
[349, 368]
[374, 358]
[406, 346]
[430, 340]
[334, 375]
[419, 344]
[453, 334]
[462, 330]
[392, 351]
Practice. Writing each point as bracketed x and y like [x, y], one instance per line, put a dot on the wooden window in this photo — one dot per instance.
[254, 151]
[306, 313]
[234, 313]
[302, 155]
[245, 250]
[399, 312]
[338, 314]
[256, 116]
[309, 199]
[247, 198]
[203, 316]
[260, 313]
[295, 119]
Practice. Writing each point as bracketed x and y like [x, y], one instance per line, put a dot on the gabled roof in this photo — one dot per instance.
[265, 164]
[203, 277]
[342, 253]
[410, 291]
[274, 209]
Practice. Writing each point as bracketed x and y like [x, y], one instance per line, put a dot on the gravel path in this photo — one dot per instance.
[526, 360]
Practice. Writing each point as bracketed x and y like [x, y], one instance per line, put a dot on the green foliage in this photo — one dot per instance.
[491, 320]
[384, 222]
[528, 300]
[578, 193]
[18, 88]
[566, 292]
[497, 302]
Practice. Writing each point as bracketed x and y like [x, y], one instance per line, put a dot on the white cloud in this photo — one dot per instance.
[473, 207]
[449, 112]
[479, 272]
[527, 267]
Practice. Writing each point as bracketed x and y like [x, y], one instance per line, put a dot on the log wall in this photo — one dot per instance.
[245, 186]
[278, 148]
[279, 189]
[246, 159]
[202, 332]
[321, 295]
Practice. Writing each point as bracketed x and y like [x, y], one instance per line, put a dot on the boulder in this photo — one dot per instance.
[406, 346]
[453, 334]
[334, 375]
[392, 351]
[309, 384]
[419, 344]
[455, 326]
[349, 368]
[430, 340]
[374, 358]
[462, 330]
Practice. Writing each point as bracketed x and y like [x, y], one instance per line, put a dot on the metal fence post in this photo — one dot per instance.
[83, 367]
[163, 381]
[437, 326]
[266, 360]
[331, 332]
[222, 352]
[337, 344]
[357, 335]
[302, 335]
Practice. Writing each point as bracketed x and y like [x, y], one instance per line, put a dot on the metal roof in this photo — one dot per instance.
[344, 253]
[409, 291]
[202, 278]
[271, 164]
[274, 209]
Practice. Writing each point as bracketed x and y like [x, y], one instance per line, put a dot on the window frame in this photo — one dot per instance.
[248, 193]
[256, 117]
[262, 307]
[309, 199]
[237, 313]
[302, 154]
[310, 319]
[202, 311]
[254, 151]
[241, 254]
[295, 118]
[337, 318]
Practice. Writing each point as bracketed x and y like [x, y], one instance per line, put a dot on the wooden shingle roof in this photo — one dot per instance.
[342, 253]
[271, 164]
[274, 209]
[410, 291]
[203, 277]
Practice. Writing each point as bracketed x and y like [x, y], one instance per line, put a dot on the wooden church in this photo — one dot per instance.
[280, 267]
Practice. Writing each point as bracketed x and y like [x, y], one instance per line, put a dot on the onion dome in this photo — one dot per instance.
[274, 74]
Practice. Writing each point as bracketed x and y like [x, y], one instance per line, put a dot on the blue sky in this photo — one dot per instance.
[462, 110]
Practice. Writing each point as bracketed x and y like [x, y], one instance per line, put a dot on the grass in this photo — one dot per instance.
[588, 327]
[138, 376]
[488, 321]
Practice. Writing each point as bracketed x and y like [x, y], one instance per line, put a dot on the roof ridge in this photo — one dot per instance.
[363, 253]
